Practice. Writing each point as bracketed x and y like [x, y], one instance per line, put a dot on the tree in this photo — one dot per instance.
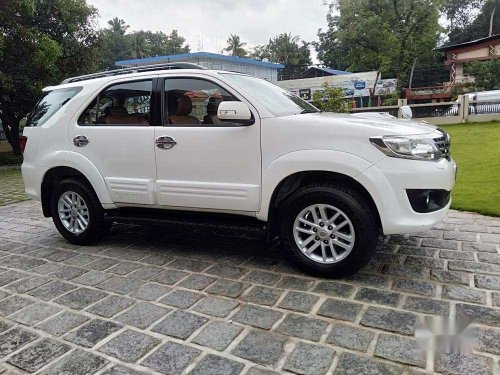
[381, 35]
[486, 74]
[118, 26]
[235, 46]
[41, 42]
[330, 99]
[140, 45]
[285, 49]
[176, 44]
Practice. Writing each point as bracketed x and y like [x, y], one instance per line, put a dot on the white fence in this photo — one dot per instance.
[462, 110]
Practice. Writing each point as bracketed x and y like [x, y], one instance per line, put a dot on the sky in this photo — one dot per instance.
[207, 24]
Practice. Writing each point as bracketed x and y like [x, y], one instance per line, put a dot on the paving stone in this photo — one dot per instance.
[38, 355]
[27, 284]
[420, 251]
[380, 297]
[298, 301]
[463, 364]
[482, 247]
[146, 272]
[369, 279]
[481, 314]
[457, 255]
[309, 359]
[405, 271]
[334, 288]
[142, 315]
[120, 285]
[150, 291]
[489, 258]
[353, 364]
[123, 254]
[416, 287]
[110, 306]
[226, 271]
[158, 259]
[215, 365]
[338, 309]
[60, 256]
[51, 290]
[487, 282]
[263, 295]
[129, 346]
[62, 323]
[11, 276]
[21, 262]
[180, 324]
[171, 358]
[403, 240]
[193, 265]
[77, 362]
[92, 332]
[400, 349]
[102, 264]
[217, 335]
[215, 306]
[260, 347]
[450, 277]
[350, 337]
[80, 298]
[91, 278]
[4, 326]
[463, 265]
[124, 268]
[34, 314]
[490, 238]
[424, 262]
[389, 320]
[68, 273]
[227, 288]
[495, 299]
[440, 244]
[81, 260]
[489, 340]
[12, 304]
[463, 293]
[169, 277]
[13, 339]
[197, 282]
[257, 316]
[122, 370]
[427, 306]
[262, 277]
[459, 236]
[181, 298]
[303, 327]
[260, 371]
[295, 283]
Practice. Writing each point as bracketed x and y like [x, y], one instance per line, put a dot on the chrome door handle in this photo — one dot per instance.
[80, 141]
[165, 142]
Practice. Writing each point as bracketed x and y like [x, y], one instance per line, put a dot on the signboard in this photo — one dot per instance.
[305, 94]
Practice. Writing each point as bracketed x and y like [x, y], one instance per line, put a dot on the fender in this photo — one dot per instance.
[304, 161]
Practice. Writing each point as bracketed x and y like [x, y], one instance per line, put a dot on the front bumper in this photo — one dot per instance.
[388, 182]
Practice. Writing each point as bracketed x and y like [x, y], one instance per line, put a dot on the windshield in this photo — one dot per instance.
[49, 103]
[276, 100]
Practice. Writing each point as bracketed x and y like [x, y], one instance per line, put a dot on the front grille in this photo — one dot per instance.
[443, 143]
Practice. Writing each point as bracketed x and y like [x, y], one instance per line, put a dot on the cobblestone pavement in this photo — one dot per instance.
[11, 186]
[167, 301]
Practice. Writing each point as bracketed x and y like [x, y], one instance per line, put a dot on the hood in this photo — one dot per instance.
[370, 123]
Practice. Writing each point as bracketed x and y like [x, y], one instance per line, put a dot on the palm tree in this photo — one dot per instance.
[139, 45]
[118, 25]
[235, 46]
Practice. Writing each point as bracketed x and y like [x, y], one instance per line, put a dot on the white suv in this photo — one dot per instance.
[148, 144]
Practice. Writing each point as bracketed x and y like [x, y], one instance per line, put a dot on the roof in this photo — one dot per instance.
[185, 56]
[324, 71]
[467, 44]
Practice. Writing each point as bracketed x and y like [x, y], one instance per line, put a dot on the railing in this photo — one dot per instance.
[435, 109]
[484, 107]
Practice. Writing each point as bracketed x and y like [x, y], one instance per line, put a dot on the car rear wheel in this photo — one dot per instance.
[328, 230]
[77, 212]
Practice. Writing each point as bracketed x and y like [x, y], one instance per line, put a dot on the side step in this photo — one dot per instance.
[222, 223]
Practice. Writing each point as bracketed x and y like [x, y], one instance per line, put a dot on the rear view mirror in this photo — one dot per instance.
[233, 111]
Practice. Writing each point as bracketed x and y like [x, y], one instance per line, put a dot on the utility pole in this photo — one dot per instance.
[491, 20]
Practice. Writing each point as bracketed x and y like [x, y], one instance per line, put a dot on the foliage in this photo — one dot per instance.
[41, 42]
[330, 99]
[486, 74]
[477, 187]
[235, 46]
[391, 99]
[285, 49]
[381, 35]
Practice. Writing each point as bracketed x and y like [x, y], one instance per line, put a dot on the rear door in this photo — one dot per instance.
[116, 133]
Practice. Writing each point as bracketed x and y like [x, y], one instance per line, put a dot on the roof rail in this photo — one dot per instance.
[136, 69]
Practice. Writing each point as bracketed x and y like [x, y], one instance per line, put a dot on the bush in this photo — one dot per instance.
[330, 99]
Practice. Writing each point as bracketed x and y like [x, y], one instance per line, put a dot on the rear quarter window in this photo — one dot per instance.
[49, 103]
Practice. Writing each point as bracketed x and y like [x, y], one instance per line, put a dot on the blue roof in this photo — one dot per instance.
[184, 56]
[330, 70]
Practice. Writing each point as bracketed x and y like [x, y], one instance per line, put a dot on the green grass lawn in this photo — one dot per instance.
[476, 149]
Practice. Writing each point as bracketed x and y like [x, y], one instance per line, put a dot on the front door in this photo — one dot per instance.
[201, 161]
[115, 133]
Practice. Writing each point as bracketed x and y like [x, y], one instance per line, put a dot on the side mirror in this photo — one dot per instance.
[405, 112]
[233, 111]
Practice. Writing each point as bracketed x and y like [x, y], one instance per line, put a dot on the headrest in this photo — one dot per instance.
[184, 107]
[113, 111]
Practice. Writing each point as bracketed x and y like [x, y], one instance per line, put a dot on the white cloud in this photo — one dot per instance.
[207, 24]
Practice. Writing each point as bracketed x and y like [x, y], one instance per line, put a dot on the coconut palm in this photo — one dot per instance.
[118, 25]
[235, 46]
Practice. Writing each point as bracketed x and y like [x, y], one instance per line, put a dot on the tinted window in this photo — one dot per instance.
[50, 103]
[190, 101]
[122, 104]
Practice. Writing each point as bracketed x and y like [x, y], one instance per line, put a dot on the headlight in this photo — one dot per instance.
[408, 147]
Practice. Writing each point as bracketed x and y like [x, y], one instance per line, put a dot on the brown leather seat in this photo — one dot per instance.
[182, 115]
[118, 115]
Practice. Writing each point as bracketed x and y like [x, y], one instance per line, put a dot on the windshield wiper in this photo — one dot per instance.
[308, 111]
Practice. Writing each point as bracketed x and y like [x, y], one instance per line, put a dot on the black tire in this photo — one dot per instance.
[353, 205]
[97, 226]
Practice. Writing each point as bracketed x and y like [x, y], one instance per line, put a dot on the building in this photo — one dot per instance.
[458, 55]
[257, 68]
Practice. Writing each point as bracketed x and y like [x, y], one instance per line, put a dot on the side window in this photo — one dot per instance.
[126, 104]
[192, 102]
